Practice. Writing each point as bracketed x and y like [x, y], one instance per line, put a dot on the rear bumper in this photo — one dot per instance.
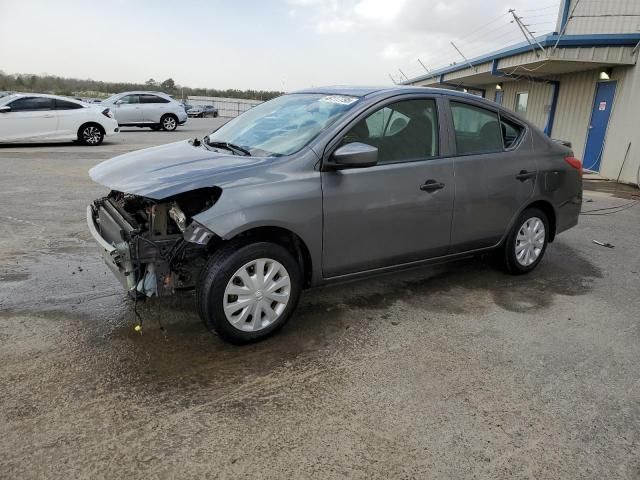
[111, 129]
[568, 214]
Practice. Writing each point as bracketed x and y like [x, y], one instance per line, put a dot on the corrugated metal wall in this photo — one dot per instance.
[574, 108]
[603, 16]
[539, 99]
[623, 131]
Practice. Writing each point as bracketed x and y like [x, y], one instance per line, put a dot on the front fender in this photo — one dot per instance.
[294, 204]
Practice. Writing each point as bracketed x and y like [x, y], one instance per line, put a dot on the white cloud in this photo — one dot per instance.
[393, 51]
[379, 11]
[336, 25]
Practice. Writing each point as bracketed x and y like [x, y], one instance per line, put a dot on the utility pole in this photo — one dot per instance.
[527, 33]
[462, 55]
[424, 66]
[393, 79]
[402, 73]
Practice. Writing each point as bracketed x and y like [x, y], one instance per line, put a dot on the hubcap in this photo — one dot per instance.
[257, 294]
[169, 123]
[530, 241]
[91, 135]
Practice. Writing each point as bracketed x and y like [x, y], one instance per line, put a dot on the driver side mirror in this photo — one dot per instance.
[119, 102]
[5, 109]
[354, 155]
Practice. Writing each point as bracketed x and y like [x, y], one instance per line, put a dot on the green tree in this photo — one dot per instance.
[168, 85]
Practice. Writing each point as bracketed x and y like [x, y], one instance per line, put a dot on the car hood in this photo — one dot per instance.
[160, 172]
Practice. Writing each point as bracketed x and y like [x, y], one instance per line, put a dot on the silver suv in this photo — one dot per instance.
[146, 109]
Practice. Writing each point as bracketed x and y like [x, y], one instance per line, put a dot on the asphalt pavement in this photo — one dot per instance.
[449, 372]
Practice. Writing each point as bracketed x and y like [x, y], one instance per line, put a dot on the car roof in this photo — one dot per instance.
[17, 95]
[137, 92]
[363, 91]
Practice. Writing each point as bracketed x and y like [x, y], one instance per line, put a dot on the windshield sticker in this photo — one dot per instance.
[339, 99]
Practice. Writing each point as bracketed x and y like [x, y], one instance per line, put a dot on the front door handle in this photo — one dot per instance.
[431, 186]
[525, 175]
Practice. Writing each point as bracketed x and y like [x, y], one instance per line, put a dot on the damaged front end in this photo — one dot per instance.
[153, 247]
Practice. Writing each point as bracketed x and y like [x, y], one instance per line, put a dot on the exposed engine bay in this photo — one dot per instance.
[153, 247]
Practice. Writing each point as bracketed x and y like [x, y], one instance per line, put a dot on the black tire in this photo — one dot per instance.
[155, 128]
[215, 114]
[508, 253]
[169, 122]
[219, 271]
[90, 134]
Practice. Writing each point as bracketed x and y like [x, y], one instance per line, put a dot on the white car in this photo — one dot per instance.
[31, 117]
[146, 109]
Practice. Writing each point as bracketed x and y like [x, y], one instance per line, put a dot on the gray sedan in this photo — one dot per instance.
[326, 185]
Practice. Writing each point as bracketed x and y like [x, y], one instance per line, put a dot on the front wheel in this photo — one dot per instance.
[526, 243]
[246, 293]
[169, 123]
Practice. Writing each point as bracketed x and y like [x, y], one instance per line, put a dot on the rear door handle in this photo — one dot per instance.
[431, 186]
[525, 175]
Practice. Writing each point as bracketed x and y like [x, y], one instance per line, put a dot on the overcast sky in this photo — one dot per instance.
[271, 44]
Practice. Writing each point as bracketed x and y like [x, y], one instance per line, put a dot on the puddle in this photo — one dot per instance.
[84, 322]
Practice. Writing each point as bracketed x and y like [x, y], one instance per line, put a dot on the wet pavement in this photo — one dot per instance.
[452, 371]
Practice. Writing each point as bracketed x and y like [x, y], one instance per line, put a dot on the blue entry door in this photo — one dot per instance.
[498, 97]
[600, 114]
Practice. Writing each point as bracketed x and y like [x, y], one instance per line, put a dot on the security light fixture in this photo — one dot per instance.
[606, 74]
[498, 86]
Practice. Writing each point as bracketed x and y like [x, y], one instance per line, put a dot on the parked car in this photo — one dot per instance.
[327, 185]
[147, 109]
[203, 111]
[32, 117]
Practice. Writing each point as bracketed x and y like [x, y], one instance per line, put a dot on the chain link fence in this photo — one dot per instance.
[227, 107]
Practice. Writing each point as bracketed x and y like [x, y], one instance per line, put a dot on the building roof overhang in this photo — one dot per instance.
[561, 54]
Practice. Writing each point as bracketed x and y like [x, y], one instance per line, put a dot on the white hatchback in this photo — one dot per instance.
[31, 117]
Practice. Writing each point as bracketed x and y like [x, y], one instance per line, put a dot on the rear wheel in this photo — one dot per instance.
[526, 243]
[248, 292]
[169, 122]
[90, 134]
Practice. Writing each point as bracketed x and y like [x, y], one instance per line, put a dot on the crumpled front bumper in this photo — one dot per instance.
[108, 229]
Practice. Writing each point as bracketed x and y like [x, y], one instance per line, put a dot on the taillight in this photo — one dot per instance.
[107, 113]
[575, 163]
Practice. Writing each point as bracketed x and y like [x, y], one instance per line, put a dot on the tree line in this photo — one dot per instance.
[94, 88]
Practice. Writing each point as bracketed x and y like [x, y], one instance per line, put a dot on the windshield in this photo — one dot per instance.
[112, 98]
[284, 125]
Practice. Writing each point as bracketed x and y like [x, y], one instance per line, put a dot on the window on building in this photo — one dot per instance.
[477, 130]
[521, 102]
[402, 131]
[511, 132]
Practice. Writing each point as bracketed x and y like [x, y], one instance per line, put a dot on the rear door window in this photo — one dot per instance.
[511, 132]
[148, 98]
[64, 105]
[477, 130]
[32, 104]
